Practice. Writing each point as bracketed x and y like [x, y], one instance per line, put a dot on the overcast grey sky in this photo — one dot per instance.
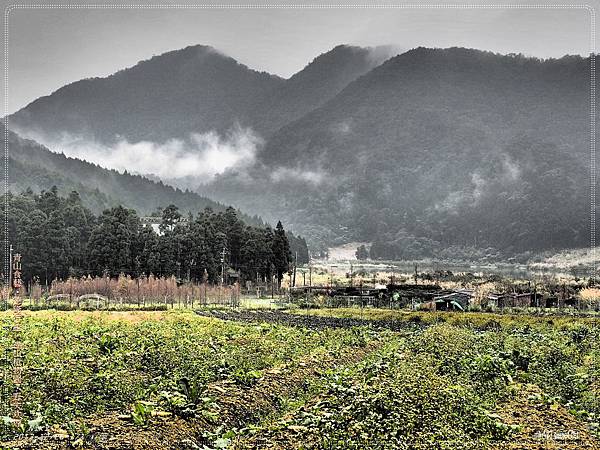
[51, 47]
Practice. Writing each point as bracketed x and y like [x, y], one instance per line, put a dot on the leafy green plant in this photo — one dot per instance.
[141, 412]
[246, 377]
[25, 425]
[107, 343]
[193, 390]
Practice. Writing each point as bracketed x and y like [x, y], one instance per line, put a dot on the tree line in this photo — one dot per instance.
[58, 238]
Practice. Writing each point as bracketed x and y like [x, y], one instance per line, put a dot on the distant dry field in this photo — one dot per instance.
[318, 379]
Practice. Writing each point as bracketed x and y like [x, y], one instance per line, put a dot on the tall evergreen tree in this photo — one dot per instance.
[281, 252]
[170, 217]
[112, 242]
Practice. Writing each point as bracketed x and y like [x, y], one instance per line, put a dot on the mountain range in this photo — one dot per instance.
[431, 152]
[193, 90]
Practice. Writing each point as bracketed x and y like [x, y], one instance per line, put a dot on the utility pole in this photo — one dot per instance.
[204, 281]
[178, 260]
[223, 266]
[416, 273]
[271, 274]
[351, 275]
[295, 265]
[310, 281]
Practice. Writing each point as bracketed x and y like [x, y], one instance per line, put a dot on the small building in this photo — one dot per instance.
[515, 300]
[154, 222]
[454, 301]
[411, 294]
[522, 300]
[495, 299]
[571, 302]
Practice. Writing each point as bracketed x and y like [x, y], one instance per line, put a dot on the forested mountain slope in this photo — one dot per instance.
[193, 90]
[317, 83]
[437, 148]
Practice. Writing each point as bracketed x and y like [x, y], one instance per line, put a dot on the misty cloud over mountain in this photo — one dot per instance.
[199, 157]
[33, 166]
[420, 153]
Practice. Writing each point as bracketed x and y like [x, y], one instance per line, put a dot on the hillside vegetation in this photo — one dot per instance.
[437, 150]
[196, 89]
[432, 152]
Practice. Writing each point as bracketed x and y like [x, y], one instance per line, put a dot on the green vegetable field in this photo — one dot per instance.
[325, 379]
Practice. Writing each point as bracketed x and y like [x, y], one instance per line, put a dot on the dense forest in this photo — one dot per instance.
[59, 237]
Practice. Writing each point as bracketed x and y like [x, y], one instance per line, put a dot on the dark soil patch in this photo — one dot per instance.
[310, 321]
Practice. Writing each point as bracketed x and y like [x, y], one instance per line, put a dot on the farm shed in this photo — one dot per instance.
[514, 300]
[496, 299]
[519, 300]
[571, 302]
[407, 294]
[456, 300]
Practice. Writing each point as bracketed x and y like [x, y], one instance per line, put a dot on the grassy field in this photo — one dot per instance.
[322, 379]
